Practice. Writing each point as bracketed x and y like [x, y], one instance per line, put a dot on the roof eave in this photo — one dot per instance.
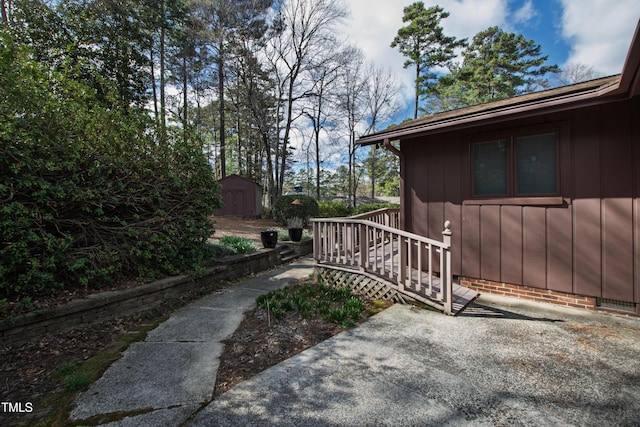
[512, 111]
[626, 87]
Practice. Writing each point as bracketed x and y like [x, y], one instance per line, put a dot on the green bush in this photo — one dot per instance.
[87, 192]
[283, 209]
[332, 209]
[369, 207]
[241, 245]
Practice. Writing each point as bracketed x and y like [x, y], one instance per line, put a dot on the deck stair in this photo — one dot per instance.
[413, 265]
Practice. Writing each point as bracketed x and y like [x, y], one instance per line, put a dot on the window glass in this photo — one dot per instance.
[490, 168]
[536, 164]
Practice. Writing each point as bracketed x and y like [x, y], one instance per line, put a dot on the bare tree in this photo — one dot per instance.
[352, 103]
[301, 32]
[382, 102]
[576, 72]
[321, 105]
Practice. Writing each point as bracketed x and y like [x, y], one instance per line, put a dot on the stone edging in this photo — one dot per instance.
[111, 304]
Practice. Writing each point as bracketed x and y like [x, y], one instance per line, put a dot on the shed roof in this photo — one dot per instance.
[607, 89]
[235, 177]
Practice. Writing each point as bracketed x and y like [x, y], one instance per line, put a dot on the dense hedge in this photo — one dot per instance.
[283, 209]
[86, 192]
[370, 207]
[332, 209]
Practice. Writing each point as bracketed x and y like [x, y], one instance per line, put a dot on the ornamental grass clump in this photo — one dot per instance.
[241, 245]
[332, 304]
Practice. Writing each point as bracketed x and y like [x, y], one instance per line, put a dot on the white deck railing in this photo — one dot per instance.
[377, 246]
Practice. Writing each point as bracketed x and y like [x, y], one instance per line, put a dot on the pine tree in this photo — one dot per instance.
[496, 65]
[423, 42]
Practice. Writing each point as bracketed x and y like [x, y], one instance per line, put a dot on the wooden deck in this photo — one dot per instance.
[421, 286]
[372, 245]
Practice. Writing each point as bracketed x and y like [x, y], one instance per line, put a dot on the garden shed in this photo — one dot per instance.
[541, 190]
[242, 197]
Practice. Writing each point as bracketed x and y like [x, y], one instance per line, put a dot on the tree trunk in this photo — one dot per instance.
[223, 146]
[163, 117]
[287, 131]
[5, 10]
[415, 108]
[185, 100]
[271, 184]
[155, 89]
[238, 133]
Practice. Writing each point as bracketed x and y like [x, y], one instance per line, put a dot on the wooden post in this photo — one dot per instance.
[364, 246]
[316, 241]
[404, 248]
[446, 275]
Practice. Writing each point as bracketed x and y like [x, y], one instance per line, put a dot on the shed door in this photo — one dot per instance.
[234, 202]
[238, 203]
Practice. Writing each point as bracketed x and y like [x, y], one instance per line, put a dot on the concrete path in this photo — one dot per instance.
[501, 362]
[172, 373]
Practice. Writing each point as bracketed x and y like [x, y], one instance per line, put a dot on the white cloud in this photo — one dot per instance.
[599, 31]
[372, 27]
[374, 24]
[469, 17]
[525, 14]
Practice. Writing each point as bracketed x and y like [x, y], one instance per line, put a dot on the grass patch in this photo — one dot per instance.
[76, 377]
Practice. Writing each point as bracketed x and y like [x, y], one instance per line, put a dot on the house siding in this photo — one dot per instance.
[589, 246]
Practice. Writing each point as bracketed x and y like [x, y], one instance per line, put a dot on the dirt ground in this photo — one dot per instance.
[261, 341]
[28, 372]
[242, 227]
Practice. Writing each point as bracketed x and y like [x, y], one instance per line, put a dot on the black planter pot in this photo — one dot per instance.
[295, 234]
[269, 238]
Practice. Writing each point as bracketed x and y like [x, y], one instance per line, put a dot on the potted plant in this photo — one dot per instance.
[295, 228]
[269, 238]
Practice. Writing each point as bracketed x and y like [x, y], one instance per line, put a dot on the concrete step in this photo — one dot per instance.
[287, 254]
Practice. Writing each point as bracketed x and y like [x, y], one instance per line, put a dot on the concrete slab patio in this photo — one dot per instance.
[501, 362]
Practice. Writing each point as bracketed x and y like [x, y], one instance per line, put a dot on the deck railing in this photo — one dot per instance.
[376, 246]
[386, 216]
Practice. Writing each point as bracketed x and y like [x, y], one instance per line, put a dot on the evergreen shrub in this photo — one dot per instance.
[370, 207]
[87, 192]
[332, 209]
[283, 209]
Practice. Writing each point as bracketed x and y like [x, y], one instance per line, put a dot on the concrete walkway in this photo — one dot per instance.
[172, 373]
[501, 362]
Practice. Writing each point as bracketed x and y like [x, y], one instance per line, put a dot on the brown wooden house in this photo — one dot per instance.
[542, 190]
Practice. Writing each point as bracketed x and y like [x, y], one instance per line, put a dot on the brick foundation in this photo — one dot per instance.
[527, 292]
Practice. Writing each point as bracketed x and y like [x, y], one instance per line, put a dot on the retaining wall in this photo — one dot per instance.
[111, 304]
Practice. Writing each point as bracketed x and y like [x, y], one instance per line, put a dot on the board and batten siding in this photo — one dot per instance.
[588, 246]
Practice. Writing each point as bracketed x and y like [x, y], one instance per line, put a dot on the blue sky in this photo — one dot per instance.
[592, 32]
